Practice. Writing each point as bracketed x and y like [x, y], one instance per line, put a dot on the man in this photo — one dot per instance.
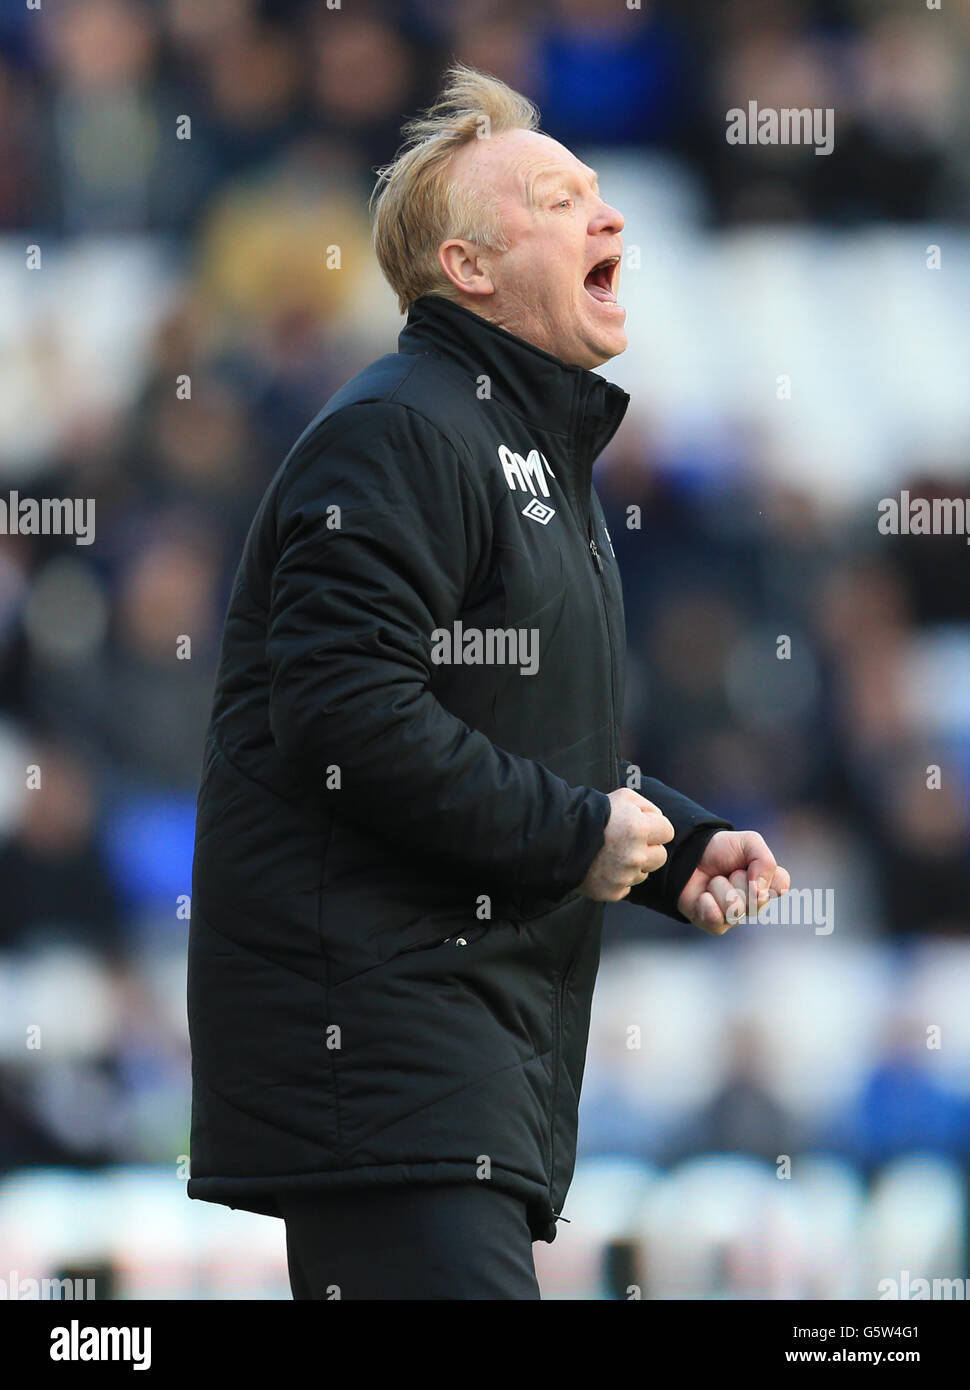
[413, 805]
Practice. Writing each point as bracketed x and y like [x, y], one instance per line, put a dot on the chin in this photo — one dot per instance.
[596, 342]
[602, 349]
[618, 342]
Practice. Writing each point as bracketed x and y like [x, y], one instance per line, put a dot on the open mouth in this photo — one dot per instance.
[601, 281]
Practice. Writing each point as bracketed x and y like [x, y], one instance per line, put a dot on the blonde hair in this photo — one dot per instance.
[417, 206]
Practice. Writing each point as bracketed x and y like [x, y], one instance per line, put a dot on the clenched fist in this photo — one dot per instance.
[737, 875]
[633, 847]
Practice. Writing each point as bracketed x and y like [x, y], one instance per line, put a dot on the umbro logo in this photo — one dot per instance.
[538, 511]
[528, 475]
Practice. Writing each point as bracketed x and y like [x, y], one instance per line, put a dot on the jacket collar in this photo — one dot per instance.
[546, 393]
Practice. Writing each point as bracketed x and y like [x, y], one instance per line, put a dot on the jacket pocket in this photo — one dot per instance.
[467, 937]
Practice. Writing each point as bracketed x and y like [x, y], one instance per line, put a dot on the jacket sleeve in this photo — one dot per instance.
[352, 610]
[693, 827]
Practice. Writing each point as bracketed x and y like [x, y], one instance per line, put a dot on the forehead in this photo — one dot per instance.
[517, 161]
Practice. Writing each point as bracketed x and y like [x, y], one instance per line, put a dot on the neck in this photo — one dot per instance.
[527, 379]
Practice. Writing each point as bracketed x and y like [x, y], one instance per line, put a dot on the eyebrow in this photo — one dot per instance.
[560, 174]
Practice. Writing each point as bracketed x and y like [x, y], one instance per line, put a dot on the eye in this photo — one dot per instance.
[565, 203]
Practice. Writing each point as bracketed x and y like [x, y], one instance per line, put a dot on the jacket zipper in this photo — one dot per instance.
[597, 557]
[558, 1005]
[560, 997]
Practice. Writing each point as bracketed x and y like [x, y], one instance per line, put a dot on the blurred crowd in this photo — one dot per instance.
[286, 88]
[185, 170]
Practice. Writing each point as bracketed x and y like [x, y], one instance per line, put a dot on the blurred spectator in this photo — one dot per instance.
[115, 160]
[743, 1116]
[56, 883]
[901, 1108]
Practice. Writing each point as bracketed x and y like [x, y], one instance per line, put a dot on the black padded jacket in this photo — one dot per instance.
[404, 782]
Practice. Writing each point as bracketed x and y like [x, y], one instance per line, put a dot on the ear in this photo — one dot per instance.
[467, 266]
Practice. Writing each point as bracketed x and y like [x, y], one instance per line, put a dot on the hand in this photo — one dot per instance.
[736, 875]
[633, 847]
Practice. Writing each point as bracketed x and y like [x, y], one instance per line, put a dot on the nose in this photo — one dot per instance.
[607, 219]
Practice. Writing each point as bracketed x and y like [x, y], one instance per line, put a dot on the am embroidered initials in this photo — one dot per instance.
[528, 475]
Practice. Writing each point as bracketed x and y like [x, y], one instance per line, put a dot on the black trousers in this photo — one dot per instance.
[461, 1242]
